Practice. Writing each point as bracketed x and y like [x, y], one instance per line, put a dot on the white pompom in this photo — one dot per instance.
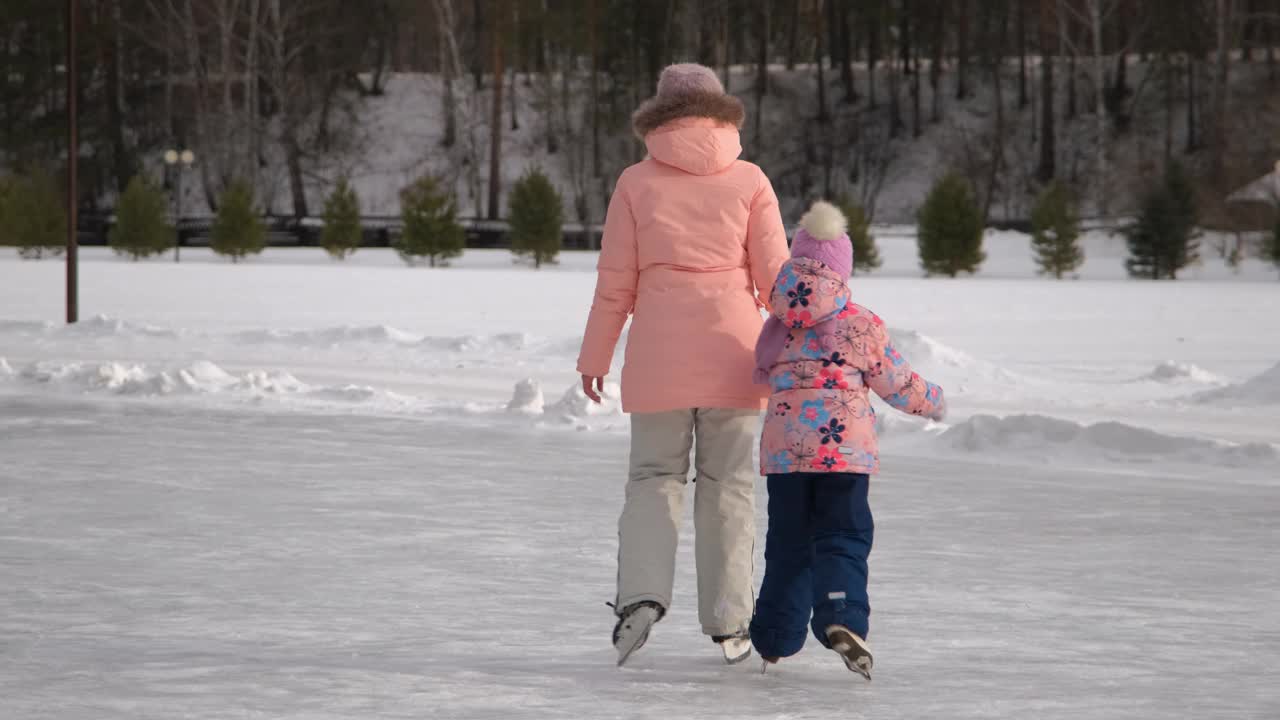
[824, 221]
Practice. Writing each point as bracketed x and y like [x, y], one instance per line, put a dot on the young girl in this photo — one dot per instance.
[819, 353]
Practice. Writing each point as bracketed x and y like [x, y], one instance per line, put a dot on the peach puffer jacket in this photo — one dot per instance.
[692, 243]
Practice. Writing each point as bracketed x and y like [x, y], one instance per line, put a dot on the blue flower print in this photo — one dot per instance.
[787, 279]
[811, 348]
[780, 462]
[813, 414]
[800, 295]
[783, 381]
[895, 357]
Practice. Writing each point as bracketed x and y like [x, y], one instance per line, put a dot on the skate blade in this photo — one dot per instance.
[855, 655]
[624, 653]
[736, 650]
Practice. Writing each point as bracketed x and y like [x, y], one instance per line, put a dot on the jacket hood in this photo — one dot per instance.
[660, 110]
[700, 146]
[807, 293]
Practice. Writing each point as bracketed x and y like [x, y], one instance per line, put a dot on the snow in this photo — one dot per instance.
[295, 488]
[1262, 390]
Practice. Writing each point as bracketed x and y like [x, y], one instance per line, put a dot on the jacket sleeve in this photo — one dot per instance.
[766, 240]
[615, 296]
[892, 378]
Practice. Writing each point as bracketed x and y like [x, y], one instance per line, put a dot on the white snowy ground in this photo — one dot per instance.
[291, 489]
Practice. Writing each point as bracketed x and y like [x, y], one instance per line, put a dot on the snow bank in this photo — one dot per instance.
[1175, 373]
[527, 398]
[941, 363]
[1262, 389]
[98, 326]
[574, 406]
[200, 378]
[329, 336]
[1056, 438]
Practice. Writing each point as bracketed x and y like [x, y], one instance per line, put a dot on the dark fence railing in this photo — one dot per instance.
[379, 231]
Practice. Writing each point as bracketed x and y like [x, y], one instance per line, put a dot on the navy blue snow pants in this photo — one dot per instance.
[820, 533]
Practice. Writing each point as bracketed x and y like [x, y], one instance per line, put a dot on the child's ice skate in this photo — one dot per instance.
[852, 649]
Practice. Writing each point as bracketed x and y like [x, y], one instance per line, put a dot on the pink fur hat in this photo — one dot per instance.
[686, 79]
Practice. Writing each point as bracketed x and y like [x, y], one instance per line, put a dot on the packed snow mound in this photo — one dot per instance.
[1054, 438]
[480, 344]
[527, 398]
[1262, 389]
[574, 406]
[200, 378]
[98, 326]
[942, 363]
[1176, 373]
[330, 336]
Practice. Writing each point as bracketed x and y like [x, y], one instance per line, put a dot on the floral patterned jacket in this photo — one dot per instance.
[820, 418]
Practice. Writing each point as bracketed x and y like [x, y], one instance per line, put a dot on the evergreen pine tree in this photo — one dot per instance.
[342, 231]
[1055, 232]
[866, 256]
[1271, 246]
[1164, 240]
[141, 228]
[537, 218]
[32, 216]
[950, 229]
[237, 230]
[431, 228]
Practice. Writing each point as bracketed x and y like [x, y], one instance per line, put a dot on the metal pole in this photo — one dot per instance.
[177, 211]
[73, 152]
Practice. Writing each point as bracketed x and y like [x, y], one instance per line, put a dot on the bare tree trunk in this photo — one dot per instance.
[1100, 179]
[121, 164]
[1169, 86]
[823, 117]
[917, 128]
[895, 96]
[962, 52]
[873, 52]
[511, 99]
[1073, 103]
[451, 67]
[835, 11]
[817, 58]
[846, 56]
[495, 118]
[450, 102]
[200, 78]
[1023, 98]
[793, 32]
[250, 90]
[725, 45]
[1048, 150]
[545, 55]
[935, 62]
[1220, 97]
[280, 33]
[593, 45]
[1193, 139]
[478, 34]
[997, 148]
[762, 72]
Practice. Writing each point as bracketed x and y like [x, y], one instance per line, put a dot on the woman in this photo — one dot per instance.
[692, 243]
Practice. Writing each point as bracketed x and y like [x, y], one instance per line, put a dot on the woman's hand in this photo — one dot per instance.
[592, 387]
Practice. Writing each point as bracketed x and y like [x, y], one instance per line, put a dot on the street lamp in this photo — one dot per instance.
[73, 157]
[177, 162]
